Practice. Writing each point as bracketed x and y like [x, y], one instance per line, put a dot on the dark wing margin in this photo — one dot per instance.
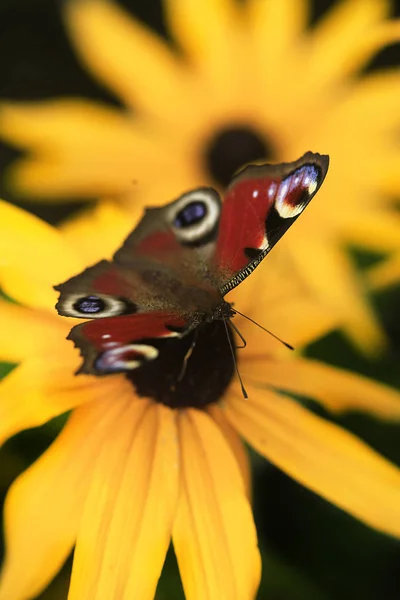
[260, 205]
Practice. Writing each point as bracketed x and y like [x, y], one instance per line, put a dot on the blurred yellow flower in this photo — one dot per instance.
[385, 274]
[253, 83]
[127, 473]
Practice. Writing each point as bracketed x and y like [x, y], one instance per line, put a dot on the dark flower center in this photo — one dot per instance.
[187, 375]
[232, 148]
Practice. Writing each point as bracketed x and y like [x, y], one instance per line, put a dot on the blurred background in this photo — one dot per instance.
[311, 550]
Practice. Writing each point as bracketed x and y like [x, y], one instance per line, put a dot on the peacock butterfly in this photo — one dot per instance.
[168, 280]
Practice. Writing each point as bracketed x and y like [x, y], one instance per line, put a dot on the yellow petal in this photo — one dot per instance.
[346, 38]
[371, 106]
[25, 332]
[378, 230]
[322, 456]
[43, 387]
[276, 299]
[80, 149]
[45, 504]
[134, 62]
[328, 271]
[388, 173]
[367, 114]
[276, 28]
[115, 224]
[296, 321]
[33, 258]
[385, 274]
[340, 46]
[235, 444]
[214, 534]
[338, 390]
[208, 32]
[126, 527]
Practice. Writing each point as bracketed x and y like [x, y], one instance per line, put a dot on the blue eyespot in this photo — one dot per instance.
[191, 214]
[89, 305]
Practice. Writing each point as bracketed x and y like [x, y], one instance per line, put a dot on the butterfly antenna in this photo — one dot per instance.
[239, 334]
[264, 328]
[245, 395]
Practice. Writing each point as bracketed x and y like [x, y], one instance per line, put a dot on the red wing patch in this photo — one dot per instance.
[259, 206]
[157, 243]
[114, 344]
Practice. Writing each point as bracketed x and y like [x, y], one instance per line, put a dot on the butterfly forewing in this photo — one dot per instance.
[259, 206]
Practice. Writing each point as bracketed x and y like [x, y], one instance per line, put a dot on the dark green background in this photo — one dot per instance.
[311, 550]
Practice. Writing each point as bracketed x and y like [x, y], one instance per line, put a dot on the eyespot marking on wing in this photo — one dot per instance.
[195, 216]
[93, 306]
[295, 191]
[125, 358]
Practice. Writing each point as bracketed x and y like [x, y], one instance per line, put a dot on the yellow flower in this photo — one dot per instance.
[128, 473]
[252, 83]
[386, 274]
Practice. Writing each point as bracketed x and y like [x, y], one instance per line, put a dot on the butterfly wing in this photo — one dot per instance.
[150, 290]
[123, 343]
[123, 323]
[185, 229]
[259, 206]
[162, 265]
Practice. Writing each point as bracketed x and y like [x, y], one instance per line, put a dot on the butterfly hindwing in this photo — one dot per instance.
[123, 343]
[122, 323]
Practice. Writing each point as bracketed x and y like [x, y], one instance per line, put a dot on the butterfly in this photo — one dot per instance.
[160, 301]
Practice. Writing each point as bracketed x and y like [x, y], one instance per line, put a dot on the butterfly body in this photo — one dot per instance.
[165, 286]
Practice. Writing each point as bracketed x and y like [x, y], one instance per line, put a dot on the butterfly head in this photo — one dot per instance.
[223, 311]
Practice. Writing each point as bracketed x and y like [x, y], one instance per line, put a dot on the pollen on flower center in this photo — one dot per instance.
[187, 375]
[233, 147]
